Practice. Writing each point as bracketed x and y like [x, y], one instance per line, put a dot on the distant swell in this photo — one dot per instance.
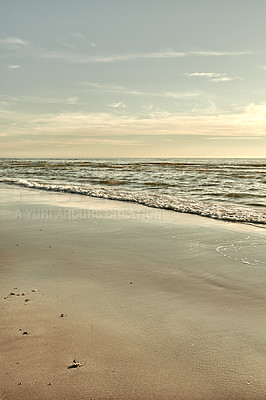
[225, 212]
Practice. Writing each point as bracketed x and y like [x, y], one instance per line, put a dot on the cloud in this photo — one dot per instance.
[52, 100]
[94, 86]
[70, 100]
[234, 138]
[247, 122]
[69, 45]
[163, 54]
[148, 107]
[213, 76]
[8, 101]
[13, 42]
[75, 141]
[220, 53]
[14, 66]
[121, 104]
[79, 59]
[117, 142]
[79, 35]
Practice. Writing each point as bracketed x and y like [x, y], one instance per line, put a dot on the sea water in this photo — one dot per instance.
[226, 189]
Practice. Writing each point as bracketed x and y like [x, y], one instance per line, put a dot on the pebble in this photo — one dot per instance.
[75, 364]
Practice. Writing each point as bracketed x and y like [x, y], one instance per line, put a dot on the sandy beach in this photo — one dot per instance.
[151, 304]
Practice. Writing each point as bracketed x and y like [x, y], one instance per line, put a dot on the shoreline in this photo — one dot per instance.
[221, 211]
[152, 310]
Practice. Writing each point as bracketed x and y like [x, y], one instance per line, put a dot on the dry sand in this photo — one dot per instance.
[156, 304]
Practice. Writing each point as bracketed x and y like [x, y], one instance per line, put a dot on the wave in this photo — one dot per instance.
[225, 212]
[113, 182]
[229, 165]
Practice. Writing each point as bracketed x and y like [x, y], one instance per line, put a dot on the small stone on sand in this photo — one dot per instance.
[75, 364]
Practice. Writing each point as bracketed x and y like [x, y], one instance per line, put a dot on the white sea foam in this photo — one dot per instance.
[242, 250]
[221, 211]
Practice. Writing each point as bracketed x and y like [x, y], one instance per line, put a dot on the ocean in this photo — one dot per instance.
[224, 189]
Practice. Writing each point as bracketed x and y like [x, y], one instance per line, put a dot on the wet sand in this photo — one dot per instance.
[155, 304]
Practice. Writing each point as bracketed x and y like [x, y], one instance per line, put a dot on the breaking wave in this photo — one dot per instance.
[220, 211]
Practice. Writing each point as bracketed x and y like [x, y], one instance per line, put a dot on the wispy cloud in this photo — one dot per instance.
[220, 53]
[213, 76]
[14, 66]
[75, 141]
[234, 138]
[248, 122]
[80, 59]
[117, 142]
[79, 35]
[148, 107]
[121, 104]
[69, 45]
[109, 88]
[7, 101]
[68, 100]
[12, 42]
[163, 54]
[15, 42]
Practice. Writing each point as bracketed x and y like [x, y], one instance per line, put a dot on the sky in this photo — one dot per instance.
[143, 78]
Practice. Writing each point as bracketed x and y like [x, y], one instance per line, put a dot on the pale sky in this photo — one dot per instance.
[143, 78]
